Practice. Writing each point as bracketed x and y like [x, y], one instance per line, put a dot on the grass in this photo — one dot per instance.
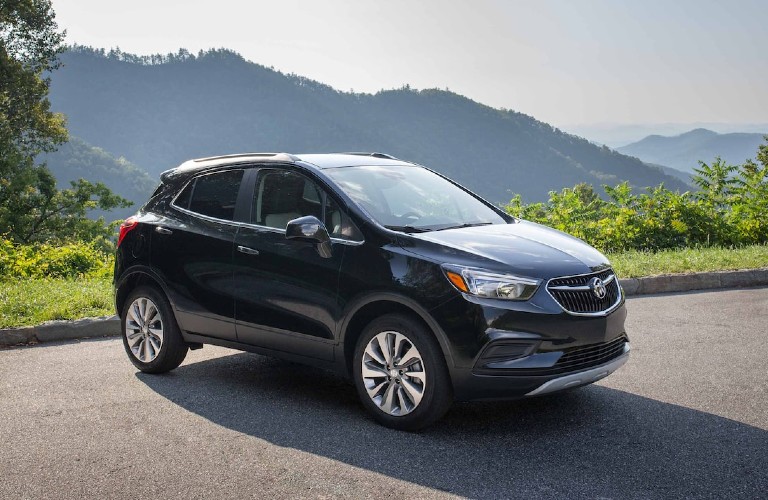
[26, 301]
[634, 264]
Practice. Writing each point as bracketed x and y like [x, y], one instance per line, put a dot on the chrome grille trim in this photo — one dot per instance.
[574, 295]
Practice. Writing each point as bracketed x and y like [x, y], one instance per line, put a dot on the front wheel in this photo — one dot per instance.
[400, 373]
[151, 336]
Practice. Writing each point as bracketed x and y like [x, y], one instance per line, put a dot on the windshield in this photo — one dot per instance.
[412, 199]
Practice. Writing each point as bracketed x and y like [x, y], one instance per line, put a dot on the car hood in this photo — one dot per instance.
[523, 248]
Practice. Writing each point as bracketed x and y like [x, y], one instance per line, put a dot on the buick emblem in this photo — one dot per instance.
[598, 288]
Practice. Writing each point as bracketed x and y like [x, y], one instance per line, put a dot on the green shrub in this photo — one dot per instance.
[44, 260]
[728, 210]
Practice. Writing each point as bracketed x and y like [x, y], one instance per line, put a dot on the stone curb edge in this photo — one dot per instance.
[50, 331]
[666, 283]
[108, 326]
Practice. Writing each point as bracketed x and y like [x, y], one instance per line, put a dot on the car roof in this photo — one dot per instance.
[317, 160]
[335, 160]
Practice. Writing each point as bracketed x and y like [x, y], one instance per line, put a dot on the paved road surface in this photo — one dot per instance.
[686, 417]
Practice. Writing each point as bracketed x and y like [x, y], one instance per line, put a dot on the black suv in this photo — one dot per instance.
[381, 269]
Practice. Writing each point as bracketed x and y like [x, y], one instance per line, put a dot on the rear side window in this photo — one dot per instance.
[213, 195]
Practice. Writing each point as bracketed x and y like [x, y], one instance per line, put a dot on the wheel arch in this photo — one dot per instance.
[133, 278]
[373, 306]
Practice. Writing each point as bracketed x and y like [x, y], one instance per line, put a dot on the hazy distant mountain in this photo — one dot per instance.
[673, 172]
[158, 112]
[79, 160]
[616, 135]
[683, 152]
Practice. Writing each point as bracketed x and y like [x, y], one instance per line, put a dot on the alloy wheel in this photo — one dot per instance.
[393, 373]
[144, 330]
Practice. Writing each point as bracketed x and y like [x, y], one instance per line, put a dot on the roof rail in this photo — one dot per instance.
[375, 155]
[276, 156]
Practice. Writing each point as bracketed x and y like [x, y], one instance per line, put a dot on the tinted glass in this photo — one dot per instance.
[412, 198]
[282, 196]
[213, 195]
[182, 200]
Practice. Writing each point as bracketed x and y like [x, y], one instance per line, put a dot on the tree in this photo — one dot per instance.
[31, 208]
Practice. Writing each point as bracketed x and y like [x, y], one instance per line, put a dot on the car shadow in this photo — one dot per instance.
[591, 442]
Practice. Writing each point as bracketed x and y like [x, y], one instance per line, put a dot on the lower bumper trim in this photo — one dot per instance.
[582, 378]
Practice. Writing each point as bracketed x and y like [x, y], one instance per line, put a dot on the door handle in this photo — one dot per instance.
[162, 230]
[246, 250]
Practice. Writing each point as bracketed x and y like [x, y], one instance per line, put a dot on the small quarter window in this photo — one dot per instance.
[182, 201]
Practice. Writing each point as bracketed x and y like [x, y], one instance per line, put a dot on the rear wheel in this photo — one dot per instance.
[400, 373]
[151, 336]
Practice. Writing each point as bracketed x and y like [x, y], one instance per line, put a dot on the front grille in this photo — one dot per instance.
[581, 358]
[576, 294]
[575, 359]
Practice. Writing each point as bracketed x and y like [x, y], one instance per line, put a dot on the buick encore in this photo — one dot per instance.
[383, 270]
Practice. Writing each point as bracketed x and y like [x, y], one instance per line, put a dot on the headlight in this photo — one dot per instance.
[490, 285]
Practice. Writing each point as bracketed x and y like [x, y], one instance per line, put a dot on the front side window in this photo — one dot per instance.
[281, 196]
[213, 195]
[412, 198]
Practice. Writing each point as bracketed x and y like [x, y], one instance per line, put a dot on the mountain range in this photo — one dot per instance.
[152, 113]
[683, 152]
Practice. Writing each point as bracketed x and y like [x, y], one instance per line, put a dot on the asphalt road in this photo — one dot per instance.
[687, 416]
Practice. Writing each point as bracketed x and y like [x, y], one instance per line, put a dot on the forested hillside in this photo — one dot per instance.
[79, 160]
[683, 152]
[159, 111]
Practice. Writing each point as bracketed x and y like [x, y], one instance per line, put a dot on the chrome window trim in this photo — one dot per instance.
[619, 296]
[282, 231]
[277, 230]
[205, 217]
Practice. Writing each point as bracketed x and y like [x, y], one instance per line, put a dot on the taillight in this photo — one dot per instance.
[125, 228]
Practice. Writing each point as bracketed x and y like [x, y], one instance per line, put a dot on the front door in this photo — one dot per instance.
[286, 293]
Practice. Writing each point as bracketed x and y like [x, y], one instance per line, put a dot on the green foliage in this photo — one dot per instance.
[637, 263]
[728, 210]
[29, 44]
[31, 301]
[31, 207]
[49, 214]
[73, 260]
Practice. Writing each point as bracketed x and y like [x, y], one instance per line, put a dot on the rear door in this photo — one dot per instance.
[286, 292]
[191, 246]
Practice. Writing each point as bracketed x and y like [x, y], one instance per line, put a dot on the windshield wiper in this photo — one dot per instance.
[409, 229]
[468, 224]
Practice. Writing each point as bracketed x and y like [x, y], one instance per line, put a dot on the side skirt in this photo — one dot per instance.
[193, 338]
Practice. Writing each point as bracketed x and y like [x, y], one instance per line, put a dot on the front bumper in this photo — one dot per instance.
[582, 378]
[472, 386]
[528, 348]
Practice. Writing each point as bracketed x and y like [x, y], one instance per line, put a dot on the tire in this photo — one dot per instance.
[157, 347]
[410, 389]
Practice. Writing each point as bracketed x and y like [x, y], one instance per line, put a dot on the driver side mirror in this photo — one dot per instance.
[310, 229]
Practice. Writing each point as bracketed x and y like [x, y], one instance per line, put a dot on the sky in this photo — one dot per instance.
[566, 62]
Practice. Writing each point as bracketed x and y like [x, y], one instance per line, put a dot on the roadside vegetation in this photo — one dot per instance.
[31, 301]
[637, 263]
[727, 210]
[43, 282]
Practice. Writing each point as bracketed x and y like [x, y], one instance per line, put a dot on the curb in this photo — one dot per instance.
[61, 330]
[109, 326]
[666, 283]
